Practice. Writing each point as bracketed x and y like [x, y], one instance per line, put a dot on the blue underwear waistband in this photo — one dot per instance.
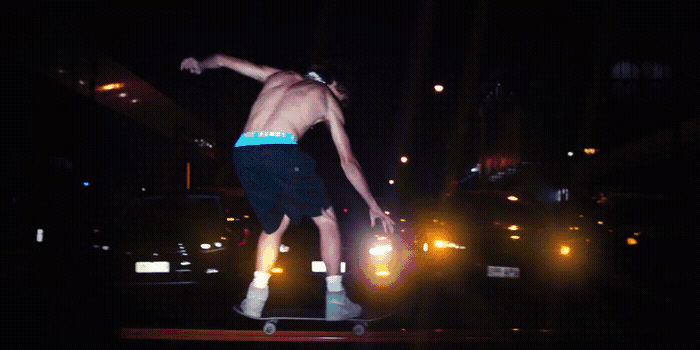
[256, 138]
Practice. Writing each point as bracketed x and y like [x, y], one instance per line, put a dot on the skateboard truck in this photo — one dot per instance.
[359, 328]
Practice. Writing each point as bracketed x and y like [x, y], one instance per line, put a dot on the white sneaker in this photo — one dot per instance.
[339, 306]
[254, 301]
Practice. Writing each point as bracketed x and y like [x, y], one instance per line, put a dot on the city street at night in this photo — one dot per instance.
[529, 170]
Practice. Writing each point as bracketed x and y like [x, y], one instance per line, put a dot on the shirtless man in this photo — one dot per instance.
[280, 180]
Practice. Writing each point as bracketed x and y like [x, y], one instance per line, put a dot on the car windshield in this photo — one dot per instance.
[490, 207]
[153, 217]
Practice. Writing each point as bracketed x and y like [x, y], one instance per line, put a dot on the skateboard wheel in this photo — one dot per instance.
[359, 329]
[269, 328]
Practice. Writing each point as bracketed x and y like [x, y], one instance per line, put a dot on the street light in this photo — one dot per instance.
[112, 86]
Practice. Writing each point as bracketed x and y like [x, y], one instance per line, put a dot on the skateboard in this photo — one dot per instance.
[308, 314]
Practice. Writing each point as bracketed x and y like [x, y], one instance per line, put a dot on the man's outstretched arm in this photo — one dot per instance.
[351, 167]
[241, 66]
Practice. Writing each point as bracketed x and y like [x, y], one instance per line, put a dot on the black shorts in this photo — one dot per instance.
[279, 180]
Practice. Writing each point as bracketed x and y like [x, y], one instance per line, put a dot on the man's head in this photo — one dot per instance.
[329, 74]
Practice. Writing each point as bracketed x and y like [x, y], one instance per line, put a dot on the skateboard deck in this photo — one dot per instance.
[271, 319]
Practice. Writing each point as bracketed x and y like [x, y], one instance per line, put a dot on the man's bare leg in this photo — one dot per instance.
[338, 305]
[329, 241]
[268, 250]
[269, 247]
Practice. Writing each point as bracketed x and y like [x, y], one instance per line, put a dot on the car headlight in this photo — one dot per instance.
[379, 260]
[211, 247]
[440, 243]
[381, 249]
[439, 237]
[443, 244]
[564, 250]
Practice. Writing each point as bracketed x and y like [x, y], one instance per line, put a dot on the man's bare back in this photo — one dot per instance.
[292, 103]
[288, 103]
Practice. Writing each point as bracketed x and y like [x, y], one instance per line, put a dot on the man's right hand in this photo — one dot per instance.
[192, 65]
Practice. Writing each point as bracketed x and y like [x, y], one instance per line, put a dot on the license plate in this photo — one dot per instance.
[152, 266]
[320, 266]
[502, 272]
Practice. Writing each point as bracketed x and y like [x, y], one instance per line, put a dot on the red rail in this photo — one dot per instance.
[297, 336]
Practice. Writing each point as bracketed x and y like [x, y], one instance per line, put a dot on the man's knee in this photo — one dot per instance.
[281, 228]
[327, 217]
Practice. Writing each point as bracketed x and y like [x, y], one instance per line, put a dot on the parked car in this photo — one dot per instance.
[502, 254]
[172, 239]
